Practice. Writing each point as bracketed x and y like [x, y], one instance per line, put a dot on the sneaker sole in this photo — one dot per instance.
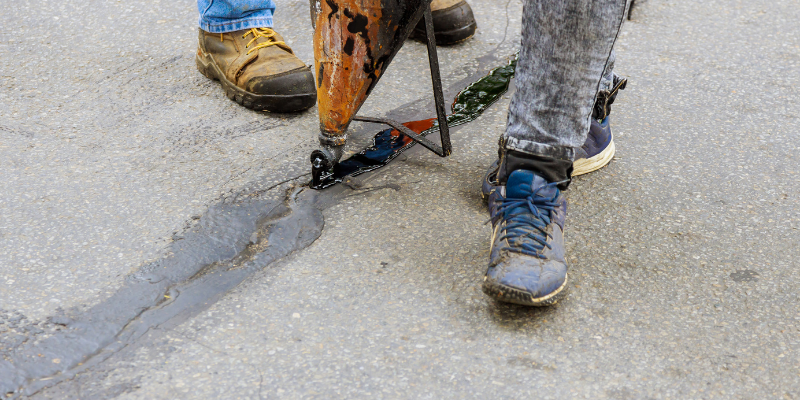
[271, 103]
[587, 165]
[508, 294]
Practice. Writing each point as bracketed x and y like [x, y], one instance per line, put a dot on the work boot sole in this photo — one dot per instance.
[509, 294]
[264, 102]
[446, 30]
[591, 164]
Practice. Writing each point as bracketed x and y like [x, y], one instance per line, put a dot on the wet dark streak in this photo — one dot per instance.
[213, 257]
[229, 243]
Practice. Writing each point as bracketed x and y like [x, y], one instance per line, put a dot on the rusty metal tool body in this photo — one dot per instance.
[354, 42]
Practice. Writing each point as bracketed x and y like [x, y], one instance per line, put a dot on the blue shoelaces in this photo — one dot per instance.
[527, 221]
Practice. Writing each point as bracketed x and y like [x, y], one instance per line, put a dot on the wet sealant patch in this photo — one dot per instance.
[229, 243]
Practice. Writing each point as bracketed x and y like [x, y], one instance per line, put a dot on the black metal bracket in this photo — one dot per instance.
[604, 100]
[441, 114]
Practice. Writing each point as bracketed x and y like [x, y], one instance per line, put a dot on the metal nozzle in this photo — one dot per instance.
[322, 162]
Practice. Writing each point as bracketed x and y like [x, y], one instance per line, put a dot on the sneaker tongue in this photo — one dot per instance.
[522, 183]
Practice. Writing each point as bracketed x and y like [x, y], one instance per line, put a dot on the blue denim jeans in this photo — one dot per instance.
[220, 16]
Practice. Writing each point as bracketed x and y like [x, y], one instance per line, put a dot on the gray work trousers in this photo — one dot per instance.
[565, 58]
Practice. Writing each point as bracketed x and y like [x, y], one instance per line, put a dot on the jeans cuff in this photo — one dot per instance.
[539, 149]
[551, 169]
[236, 25]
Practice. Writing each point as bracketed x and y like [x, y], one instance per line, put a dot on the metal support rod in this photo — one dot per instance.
[408, 132]
[444, 130]
[436, 80]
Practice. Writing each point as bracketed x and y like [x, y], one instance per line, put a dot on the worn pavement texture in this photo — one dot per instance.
[114, 151]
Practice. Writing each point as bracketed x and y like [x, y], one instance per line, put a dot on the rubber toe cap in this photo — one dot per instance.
[298, 82]
[537, 277]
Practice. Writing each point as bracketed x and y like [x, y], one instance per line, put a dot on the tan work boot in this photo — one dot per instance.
[257, 69]
[453, 22]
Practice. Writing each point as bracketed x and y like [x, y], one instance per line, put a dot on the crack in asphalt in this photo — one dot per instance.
[212, 257]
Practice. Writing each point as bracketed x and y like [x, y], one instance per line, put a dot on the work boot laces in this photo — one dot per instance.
[526, 225]
[266, 33]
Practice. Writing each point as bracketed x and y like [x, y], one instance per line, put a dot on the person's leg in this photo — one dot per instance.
[607, 81]
[598, 149]
[253, 63]
[221, 16]
[567, 46]
[566, 52]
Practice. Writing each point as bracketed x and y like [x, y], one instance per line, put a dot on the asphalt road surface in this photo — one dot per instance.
[157, 242]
